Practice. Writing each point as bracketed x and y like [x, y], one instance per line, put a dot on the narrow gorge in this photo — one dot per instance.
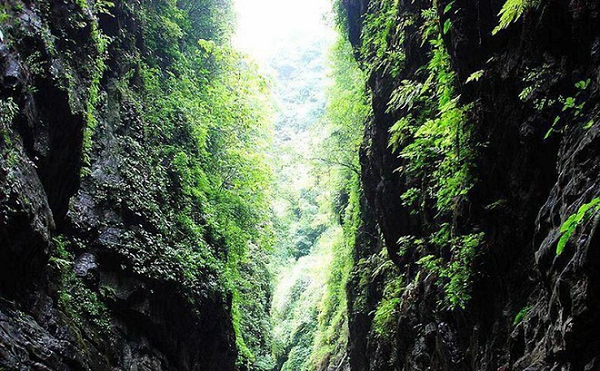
[325, 185]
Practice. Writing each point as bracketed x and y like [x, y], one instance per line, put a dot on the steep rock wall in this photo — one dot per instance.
[89, 278]
[529, 307]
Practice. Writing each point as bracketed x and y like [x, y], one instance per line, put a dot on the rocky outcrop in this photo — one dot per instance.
[42, 132]
[531, 308]
[90, 277]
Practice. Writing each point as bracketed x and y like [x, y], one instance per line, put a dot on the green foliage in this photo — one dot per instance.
[101, 42]
[434, 138]
[346, 113]
[569, 226]
[456, 276]
[523, 313]
[294, 312]
[251, 306]
[310, 304]
[8, 111]
[180, 130]
[82, 304]
[475, 76]
[82, 62]
[572, 107]
[378, 28]
[346, 110]
[560, 109]
[222, 170]
[511, 11]
[4, 16]
[104, 6]
[387, 312]
[194, 130]
[332, 331]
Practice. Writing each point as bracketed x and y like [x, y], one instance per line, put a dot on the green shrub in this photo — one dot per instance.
[567, 229]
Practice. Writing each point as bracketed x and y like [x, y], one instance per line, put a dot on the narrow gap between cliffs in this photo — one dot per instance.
[319, 108]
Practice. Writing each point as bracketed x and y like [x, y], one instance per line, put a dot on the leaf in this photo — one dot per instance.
[573, 221]
[569, 103]
[522, 314]
[105, 7]
[562, 242]
[552, 128]
[510, 13]
[583, 85]
[448, 7]
[447, 26]
[405, 95]
[589, 125]
[556, 120]
[475, 76]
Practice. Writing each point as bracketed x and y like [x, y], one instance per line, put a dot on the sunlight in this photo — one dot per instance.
[292, 42]
[265, 24]
[299, 185]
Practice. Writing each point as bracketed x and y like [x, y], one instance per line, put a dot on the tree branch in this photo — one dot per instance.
[355, 169]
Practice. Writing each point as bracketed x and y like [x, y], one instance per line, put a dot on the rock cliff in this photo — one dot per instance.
[91, 276]
[525, 89]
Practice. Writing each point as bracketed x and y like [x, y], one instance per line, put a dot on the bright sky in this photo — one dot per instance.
[276, 34]
[264, 23]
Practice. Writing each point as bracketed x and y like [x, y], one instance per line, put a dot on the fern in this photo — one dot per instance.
[475, 76]
[568, 227]
[510, 13]
[406, 95]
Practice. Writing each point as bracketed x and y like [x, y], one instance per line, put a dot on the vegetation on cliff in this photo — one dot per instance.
[322, 105]
[177, 126]
[412, 185]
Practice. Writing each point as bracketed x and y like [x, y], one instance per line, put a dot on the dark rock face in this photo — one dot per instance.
[86, 267]
[355, 9]
[362, 299]
[541, 182]
[41, 148]
[135, 319]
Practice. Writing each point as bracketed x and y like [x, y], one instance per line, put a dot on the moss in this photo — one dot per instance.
[387, 312]
[78, 301]
[8, 111]
[98, 66]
